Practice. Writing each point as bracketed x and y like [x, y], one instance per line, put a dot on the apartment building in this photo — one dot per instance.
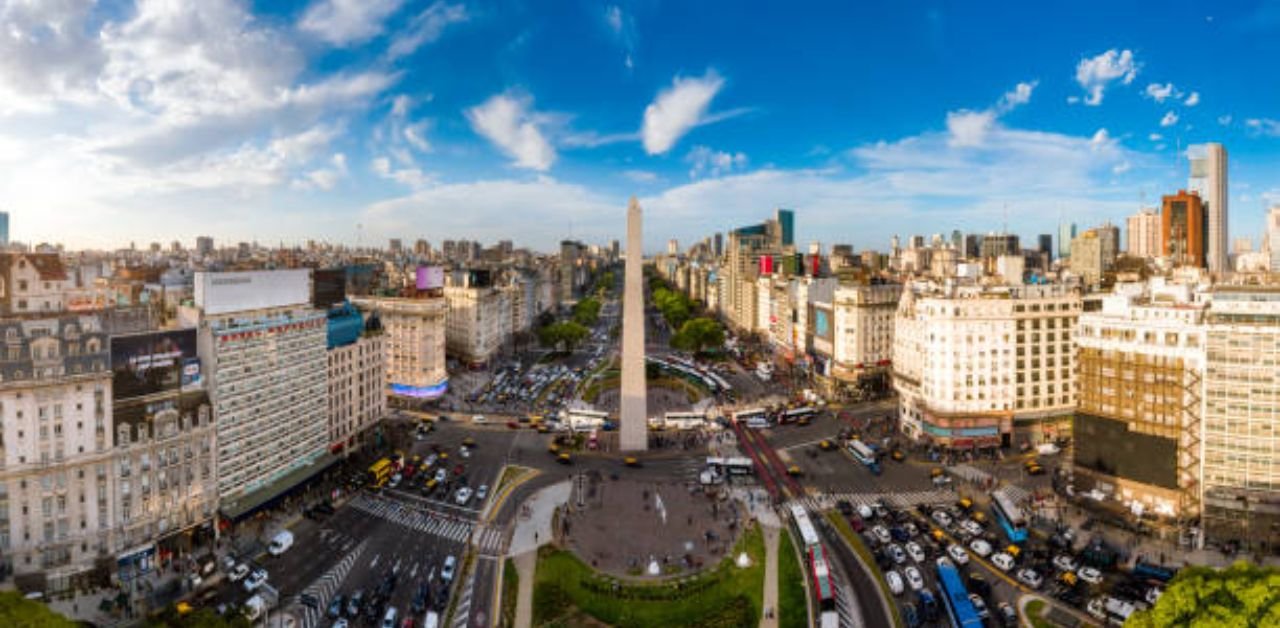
[861, 337]
[414, 344]
[478, 323]
[983, 367]
[32, 283]
[1137, 427]
[264, 347]
[357, 377]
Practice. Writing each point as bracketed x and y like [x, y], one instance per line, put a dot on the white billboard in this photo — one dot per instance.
[220, 293]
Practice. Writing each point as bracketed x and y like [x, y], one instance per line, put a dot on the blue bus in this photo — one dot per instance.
[864, 454]
[1154, 572]
[955, 598]
[1009, 516]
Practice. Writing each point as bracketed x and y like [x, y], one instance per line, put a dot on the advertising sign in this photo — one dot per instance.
[145, 364]
[430, 277]
[822, 323]
[221, 293]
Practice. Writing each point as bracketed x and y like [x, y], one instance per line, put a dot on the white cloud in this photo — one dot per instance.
[1121, 167]
[47, 50]
[641, 176]
[1263, 126]
[1155, 137]
[346, 22]
[508, 122]
[613, 17]
[1225, 120]
[1100, 139]
[622, 27]
[1160, 93]
[1020, 95]
[677, 110]
[1169, 119]
[969, 128]
[325, 178]
[1095, 74]
[704, 161]
[1192, 100]
[426, 27]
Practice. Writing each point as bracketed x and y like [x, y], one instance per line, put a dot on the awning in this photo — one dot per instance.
[246, 505]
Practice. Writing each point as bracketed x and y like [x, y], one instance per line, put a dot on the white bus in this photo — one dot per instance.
[586, 420]
[731, 466]
[755, 418]
[684, 420]
[791, 416]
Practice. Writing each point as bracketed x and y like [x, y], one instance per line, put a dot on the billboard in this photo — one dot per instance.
[766, 264]
[222, 293]
[329, 287]
[430, 277]
[822, 327]
[146, 364]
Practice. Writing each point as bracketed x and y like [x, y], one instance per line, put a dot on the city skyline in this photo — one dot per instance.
[348, 123]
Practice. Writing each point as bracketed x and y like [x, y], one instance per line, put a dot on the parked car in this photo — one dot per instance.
[895, 582]
[958, 554]
[1002, 561]
[463, 496]
[1090, 575]
[979, 605]
[914, 578]
[881, 534]
[1030, 578]
[335, 606]
[942, 518]
[981, 548]
[1064, 562]
[896, 553]
[446, 572]
[482, 493]
[916, 552]
[1008, 616]
[354, 604]
[255, 580]
[240, 571]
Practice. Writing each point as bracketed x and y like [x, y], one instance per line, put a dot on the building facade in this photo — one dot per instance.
[32, 283]
[1182, 229]
[357, 381]
[478, 323]
[1209, 179]
[1142, 233]
[414, 345]
[861, 337]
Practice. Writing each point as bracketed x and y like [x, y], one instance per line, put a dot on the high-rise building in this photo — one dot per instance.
[204, 245]
[718, 247]
[395, 245]
[1066, 233]
[265, 345]
[478, 322]
[357, 377]
[1142, 233]
[422, 248]
[1182, 229]
[673, 247]
[1088, 259]
[4, 229]
[957, 240]
[414, 345]
[1045, 245]
[785, 219]
[1209, 179]
[972, 246]
[995, 245]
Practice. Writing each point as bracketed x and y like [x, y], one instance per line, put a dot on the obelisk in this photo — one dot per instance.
[634, 419]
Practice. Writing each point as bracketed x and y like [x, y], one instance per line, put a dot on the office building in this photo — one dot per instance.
[1209, 180]
[1066, 233]
[1045, 246]
[979, 367]
[265, 347]
[478, 322]
[414, 344]
[357, 377]
[998, 245]
[673, 247]
[1182, 229]
[1142, 233]
[4, 229]
[1273, 237]
[204, 245]
[860, 335]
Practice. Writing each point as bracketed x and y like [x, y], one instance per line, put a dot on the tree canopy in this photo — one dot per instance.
[17, 611]
[698, 335]
[1240, 595]
[566, 334]
[675, 307]
[587, 311]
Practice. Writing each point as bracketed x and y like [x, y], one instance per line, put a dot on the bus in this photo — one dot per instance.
[586, 420]
[1118, 611]
[755, 418]
[955, 598]
[804, 526]
[864, 454]
[791, 416]
[380, 472]
[1009, 516]
[820, 572]
[684, 420]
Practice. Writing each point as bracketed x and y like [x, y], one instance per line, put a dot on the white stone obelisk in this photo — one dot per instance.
[634, 419]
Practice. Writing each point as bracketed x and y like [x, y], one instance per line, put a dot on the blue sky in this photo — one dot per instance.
[360, 120]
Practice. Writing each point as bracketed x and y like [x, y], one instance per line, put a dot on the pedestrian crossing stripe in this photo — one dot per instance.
[827, 501]
[491, 540]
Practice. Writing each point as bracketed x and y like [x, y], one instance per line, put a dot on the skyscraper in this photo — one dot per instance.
[4, 228]
[1209, 179]
[1142, 231]
[1045, 241]
[1273, 236]
[1066, 233]
[1182, 229]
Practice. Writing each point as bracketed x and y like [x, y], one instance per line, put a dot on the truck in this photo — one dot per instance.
[280, 543]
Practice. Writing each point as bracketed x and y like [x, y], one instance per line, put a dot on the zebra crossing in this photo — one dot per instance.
[415, 519]
[847, 608]
[462, 610]
[490, 540]
[325, 586]
[1016, 493]
[910, 499]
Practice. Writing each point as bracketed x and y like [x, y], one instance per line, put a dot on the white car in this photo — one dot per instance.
[395, 480]
[1002, 561]
[482, 492]
[1090, 575]
[1064, 562]
[464, 452]
[1153, 595]
[464, 496]
[441, 474]
[979, 605]
[958, 554]
[1030, 578]
[238, 572]
[895, 582]
[881, 534]
[981, 548]
[255, 580]
[897, 554]
[1096, 608]
[865, 512]
[972, 527]
[479, 418]
[914, 579]
[915, 551]
[942, 518]
[446, 572]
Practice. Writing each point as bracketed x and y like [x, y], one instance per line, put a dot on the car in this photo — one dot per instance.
[929, 604]
[856, 523]
[419, 603]
[979, 605]
[463, 496]
[1064, 563]
[971, 527]
[335, 606]
[430, 461]
[482, 493]
[341, 623]
[881, 511]
[914, 579]
[865, 512]
[1008, 616]
[898, 455]
[389, 618]
[228, 563]
[1153, 595]
[240, 571]
[942, 518]
[958, 554]
[916, 552]
[1030, 578]
[1002, 561]
[450, 564]
[309, 600]
[464, 452]
[881, 534]
[441, 475]
[255, 580]
[395, 481]
[978, 584]
[911, 529]
[897, 554]
[895, 582]
[512, 425]
[910, 615]
[479, 419]
[844, 507]
[354, 603]
[1090, 575]
[900, 535]
[981, 548]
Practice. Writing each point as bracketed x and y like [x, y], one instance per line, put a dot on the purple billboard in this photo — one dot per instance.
[430, 277]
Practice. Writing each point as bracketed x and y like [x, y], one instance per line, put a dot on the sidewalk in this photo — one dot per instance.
[526, 566]
[533, 519]
[771, 542]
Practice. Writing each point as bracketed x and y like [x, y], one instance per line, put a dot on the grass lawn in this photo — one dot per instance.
[793, 604]
[510, 592]
[725, 596]
[1034, 610]
[861, 550]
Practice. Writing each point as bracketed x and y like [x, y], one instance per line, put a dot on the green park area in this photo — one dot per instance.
[792, 603]
[567, 592]
[1240, 595]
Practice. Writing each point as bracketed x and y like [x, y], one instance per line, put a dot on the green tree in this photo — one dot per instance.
[19, 612]
[1240, 595]
[566, 334]
[587, 311]
[698, 335]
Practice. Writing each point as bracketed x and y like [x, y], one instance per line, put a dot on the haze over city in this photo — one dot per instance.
[286, 121]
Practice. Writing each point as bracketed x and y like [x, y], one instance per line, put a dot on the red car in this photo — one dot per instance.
[458, 470]
[513, 425]
[856, 522]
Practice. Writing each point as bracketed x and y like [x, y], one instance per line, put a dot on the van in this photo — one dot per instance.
[280, 543]
[253, 608]
[432, 620]
[389, 619]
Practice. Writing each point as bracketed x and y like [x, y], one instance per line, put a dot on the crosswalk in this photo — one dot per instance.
[462, 610]
[909, 499]
[325, 586]
[1016, 493]
[847, 608]
[489, 540]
